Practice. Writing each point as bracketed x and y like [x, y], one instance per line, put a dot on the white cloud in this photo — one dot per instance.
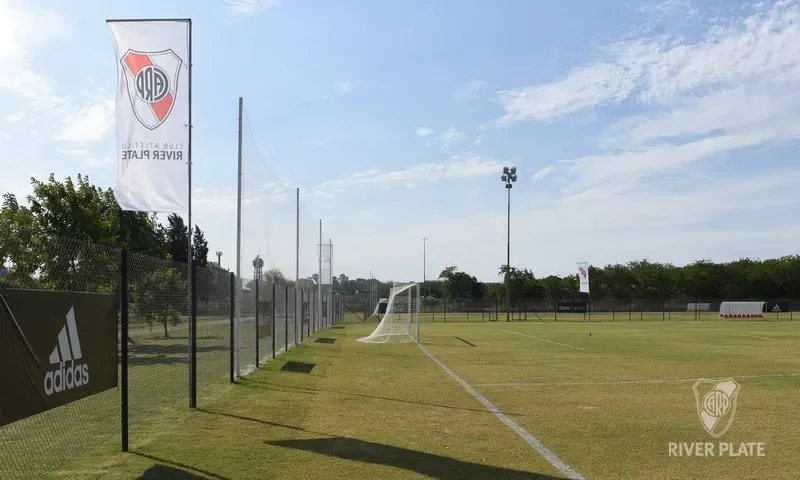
[424, 173]
[98, 162]
[74, 152]
[543, 172]
[764, 46]
[20, 29]
[424, 131]
[452, 136]
[91, 124]
[15, 117]
[468, 91]
[250, 7]
[344, 86]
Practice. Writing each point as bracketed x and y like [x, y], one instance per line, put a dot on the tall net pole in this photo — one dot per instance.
[238, 286]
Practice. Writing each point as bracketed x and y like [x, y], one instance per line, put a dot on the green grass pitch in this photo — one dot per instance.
[606, 398]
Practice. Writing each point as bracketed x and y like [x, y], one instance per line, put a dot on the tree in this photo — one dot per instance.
[199, 248]
[459, 285]
[177, 238]
[159, 297]
[53, 243]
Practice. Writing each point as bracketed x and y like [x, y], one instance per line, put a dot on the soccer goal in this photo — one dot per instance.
[400, 323]
[741, 310]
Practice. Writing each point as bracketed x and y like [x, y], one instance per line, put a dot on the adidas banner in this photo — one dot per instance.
[152, 114]
[55, 348]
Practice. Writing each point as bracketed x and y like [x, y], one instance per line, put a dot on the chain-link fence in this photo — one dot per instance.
[274, 317]
[603, 309]
[31, 447]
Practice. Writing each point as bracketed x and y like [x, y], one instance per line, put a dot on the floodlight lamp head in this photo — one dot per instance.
[513, 178]
[504, 178]
[513, 170]
[505, 170]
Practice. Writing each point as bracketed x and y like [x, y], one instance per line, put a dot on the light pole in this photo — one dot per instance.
[219, 259]
[509, 177]
[424, 259]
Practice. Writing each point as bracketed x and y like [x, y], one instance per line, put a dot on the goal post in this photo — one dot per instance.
[400, 323]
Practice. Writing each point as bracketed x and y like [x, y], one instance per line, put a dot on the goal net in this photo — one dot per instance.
[741, 310]
[400, 323]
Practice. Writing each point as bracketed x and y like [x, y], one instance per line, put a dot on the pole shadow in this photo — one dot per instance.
[433, 466]
[376, 397]
[167, 469]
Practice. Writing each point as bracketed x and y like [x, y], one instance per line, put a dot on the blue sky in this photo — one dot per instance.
[659, 130]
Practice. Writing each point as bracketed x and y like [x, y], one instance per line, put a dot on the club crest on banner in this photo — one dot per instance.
[584, 274]
[716, 404]
[152, 80]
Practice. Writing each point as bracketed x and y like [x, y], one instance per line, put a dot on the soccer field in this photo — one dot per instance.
[492, 400]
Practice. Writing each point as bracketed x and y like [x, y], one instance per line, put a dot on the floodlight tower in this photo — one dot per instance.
[258, 264]
[509, 177]
[219, 258]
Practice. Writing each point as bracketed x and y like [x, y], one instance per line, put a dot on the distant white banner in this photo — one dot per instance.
[325, 263]
[152, 115]
[583, 276]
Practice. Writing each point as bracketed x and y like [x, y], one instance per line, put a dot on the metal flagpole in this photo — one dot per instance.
[238, 318]
[192, 313]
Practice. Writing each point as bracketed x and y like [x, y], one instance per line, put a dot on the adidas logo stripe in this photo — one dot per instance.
[68, 352]
[68, 349]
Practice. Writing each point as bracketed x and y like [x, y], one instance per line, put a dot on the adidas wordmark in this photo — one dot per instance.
[70, 373]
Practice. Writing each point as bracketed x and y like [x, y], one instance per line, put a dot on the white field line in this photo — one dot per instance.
[629, 382]
[745, 335]
[544, 340]
[532, 441]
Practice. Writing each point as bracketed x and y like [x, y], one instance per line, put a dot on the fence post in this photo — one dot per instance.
[302, 311]
[286, 319]
[444, 306]
[193, 341]
[274, 301]
[258, 355]
[233, 319]
[123, 297]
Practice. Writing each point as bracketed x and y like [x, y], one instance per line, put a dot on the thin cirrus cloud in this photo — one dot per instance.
[424, 131]
[250, 7]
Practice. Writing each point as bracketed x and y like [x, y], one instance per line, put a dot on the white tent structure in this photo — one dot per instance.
[380, 307]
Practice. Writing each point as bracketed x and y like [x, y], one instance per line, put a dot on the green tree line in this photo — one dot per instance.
[743, 279]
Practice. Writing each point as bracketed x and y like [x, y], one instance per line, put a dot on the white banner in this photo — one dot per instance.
[152, 115]
[325, 262]
[583, 276]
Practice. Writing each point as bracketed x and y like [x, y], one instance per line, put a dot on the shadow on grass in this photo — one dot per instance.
[292, 388]
[468, 343]
[256, 420]
[243, 382]
[174, 470]
[433, 466]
